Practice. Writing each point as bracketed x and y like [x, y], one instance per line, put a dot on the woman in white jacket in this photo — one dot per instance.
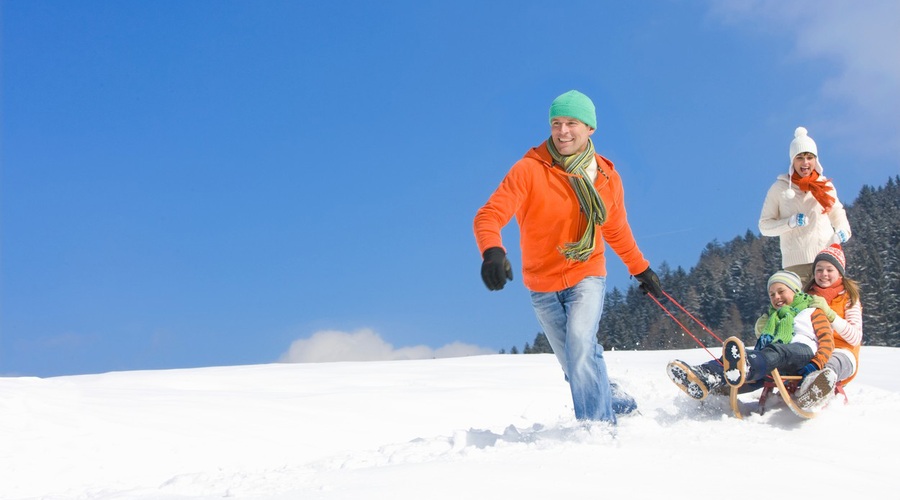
[803, 210]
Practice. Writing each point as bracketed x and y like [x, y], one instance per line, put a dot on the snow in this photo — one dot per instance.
[493, 426]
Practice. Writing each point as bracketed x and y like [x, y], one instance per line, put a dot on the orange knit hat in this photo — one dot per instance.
[834, 255]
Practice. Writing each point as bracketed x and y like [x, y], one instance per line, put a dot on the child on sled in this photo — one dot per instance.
[838, 296]
[796, 338]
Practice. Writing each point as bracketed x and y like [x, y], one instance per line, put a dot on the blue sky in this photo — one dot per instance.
[216, 183]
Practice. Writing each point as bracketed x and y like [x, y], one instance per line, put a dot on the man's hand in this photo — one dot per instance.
[496, 269]
[650, 283]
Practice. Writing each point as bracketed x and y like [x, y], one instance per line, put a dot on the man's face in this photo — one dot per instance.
[570, 136]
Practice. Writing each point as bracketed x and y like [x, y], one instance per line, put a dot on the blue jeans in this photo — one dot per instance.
[788, 358]
[570, 319]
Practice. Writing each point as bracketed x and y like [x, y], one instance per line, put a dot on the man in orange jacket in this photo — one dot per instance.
[567, 200]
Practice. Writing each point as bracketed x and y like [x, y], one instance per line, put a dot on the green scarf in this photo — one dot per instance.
[588, 198]
[781, 322]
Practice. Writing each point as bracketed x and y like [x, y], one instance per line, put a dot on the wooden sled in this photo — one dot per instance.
[786, 394]
[786, 386]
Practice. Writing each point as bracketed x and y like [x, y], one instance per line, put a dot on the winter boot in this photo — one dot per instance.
[721, 390]
[816, 390]
[734, 364]
[757, 367]
[622, 402]
[695, 381]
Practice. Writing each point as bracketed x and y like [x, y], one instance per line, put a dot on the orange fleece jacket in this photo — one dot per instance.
[548, 214]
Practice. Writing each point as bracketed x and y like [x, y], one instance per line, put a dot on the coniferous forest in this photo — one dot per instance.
[726, 291]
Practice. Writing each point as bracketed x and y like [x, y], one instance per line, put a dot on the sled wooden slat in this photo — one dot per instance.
[786, 396]
[782, 390]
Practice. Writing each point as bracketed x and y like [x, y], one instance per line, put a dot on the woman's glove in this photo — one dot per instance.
[840, 237]
[820, 303]
[798, 220]
[761, 324]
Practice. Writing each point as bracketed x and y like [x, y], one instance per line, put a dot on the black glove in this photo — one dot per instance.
[650, 283]
[495, 269]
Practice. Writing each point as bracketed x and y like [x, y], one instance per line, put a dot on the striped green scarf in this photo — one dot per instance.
[588, 198]
[781, 322]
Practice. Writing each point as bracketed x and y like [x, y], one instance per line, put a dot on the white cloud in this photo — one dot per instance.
[366, 345]
[862, 42]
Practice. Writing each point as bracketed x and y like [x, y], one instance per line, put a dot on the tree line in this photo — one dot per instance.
[726, 291]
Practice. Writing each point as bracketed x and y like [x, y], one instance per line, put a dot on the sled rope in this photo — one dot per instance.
[686, 329]
[693, 318]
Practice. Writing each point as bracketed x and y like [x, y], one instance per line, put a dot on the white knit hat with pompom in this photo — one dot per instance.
[802, 143]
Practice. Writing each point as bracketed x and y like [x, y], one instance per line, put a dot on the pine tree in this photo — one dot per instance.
[541, 344]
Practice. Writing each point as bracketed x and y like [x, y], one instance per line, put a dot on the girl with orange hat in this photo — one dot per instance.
[838, 296]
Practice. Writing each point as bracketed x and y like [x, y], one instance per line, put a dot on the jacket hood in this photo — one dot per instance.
[541, 154]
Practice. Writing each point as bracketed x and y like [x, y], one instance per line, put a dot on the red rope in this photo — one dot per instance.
[686, 330]
[693, 318]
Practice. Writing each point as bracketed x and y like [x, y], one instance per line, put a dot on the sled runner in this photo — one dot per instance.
[791, 384]
[786, 390]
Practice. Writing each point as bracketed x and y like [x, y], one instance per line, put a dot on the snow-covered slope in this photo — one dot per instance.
[496, 426]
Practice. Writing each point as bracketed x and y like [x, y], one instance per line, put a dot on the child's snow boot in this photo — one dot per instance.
[734, 365]
[696, 381]
[757, 367]
[816, 390]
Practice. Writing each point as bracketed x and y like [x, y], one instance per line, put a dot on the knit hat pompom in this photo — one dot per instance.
[787, 278]
[803, 143]
[788, 193]
[576, 105]
[834, 255]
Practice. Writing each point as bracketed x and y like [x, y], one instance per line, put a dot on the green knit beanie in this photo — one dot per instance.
[575, 105]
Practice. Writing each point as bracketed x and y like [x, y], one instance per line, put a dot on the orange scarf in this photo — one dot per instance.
[830, 293]
[819, 189]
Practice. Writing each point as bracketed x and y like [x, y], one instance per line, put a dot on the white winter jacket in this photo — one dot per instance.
[800, 245]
